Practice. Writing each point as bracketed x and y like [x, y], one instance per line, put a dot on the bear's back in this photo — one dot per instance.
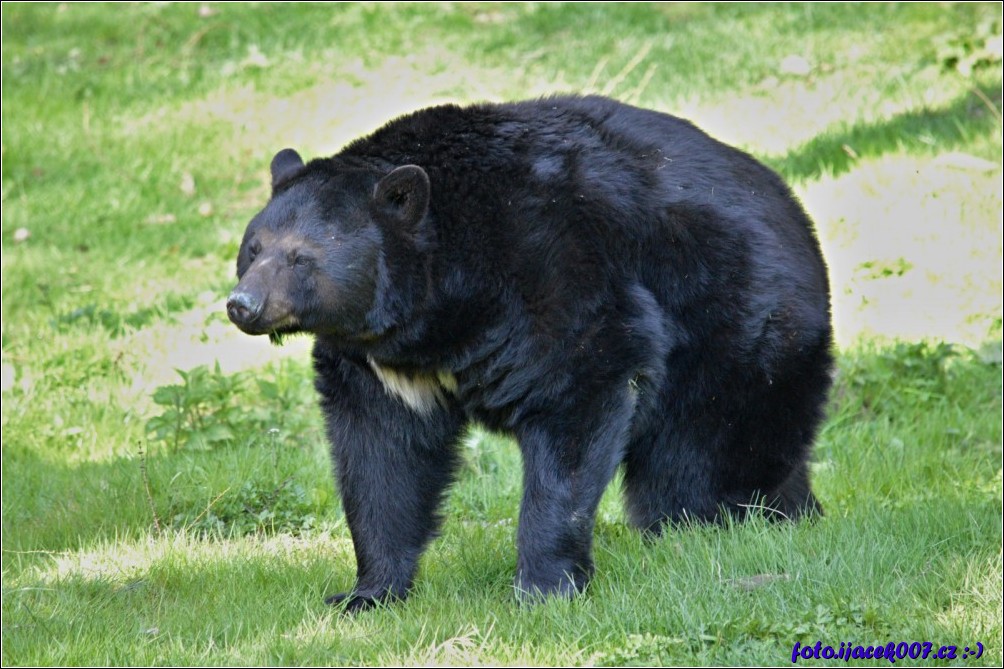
[564, 194]
[634, 161]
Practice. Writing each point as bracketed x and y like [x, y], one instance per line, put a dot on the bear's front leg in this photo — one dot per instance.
[569, 457]
[392, 463]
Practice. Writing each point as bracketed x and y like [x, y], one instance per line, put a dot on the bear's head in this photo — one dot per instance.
[337, 250]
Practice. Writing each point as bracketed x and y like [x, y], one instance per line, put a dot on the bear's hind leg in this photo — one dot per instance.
[733, 453]
[667, 479]
[792, 499]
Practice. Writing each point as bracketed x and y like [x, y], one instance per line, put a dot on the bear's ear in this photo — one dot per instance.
[404, 194]
[285, 164]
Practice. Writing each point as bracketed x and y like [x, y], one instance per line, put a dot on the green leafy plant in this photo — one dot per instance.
[255, 508]
[906, 374]
[971, 50]
[210, 408]
[200, 411]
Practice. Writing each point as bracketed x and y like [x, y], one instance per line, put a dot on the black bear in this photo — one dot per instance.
[605, 283]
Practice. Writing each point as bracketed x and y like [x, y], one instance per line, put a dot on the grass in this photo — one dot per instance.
[154, 518]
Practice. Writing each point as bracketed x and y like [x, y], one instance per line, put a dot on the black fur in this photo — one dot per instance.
[607, 284]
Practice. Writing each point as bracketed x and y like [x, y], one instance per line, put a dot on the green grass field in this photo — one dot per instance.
[158, 517]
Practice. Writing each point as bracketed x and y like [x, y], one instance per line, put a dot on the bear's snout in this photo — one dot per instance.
[243, 308]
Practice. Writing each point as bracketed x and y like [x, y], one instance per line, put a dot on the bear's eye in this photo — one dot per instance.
[254, 250]
[298, 260]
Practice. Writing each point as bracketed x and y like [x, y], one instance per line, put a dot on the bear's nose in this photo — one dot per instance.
[243, 308]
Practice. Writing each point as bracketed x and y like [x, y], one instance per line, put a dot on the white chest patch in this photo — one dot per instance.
[420, 392]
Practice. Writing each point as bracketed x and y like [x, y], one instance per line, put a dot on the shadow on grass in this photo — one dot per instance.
[836, 151]
[52, 506]
[135, 609]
